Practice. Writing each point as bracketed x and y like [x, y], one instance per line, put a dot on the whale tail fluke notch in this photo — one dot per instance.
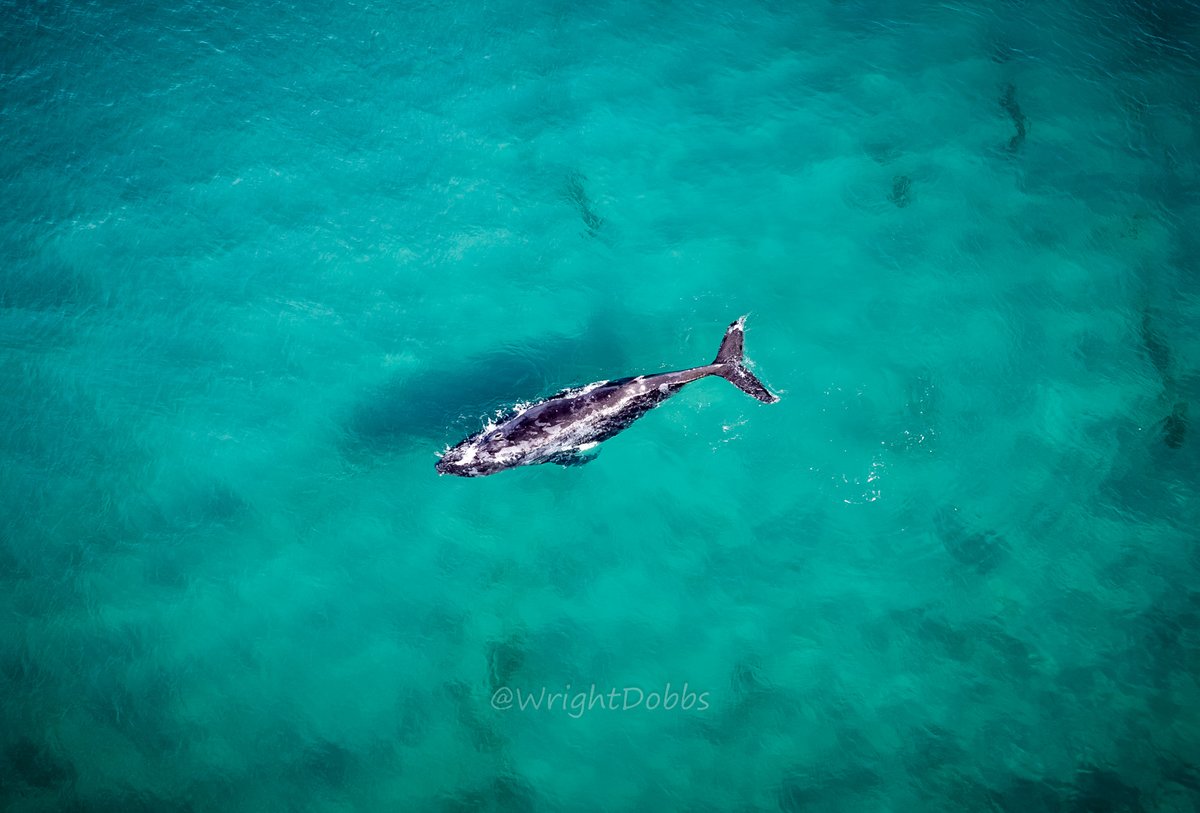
[731, 364]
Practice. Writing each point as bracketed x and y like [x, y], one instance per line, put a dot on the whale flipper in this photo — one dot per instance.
[731, 364]
[573, 457]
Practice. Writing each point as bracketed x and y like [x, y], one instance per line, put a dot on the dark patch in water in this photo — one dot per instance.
[1028, 796]
[139, 801]
[36, 765]
[507, 793]
[1094, 790]
[10, 567]
[19, 669]
[1156, 348]
[1157, 30]
[180, 515]
[219, 504]
[932, 747]
[1015, 656]
[512, 793]
[123, 693]
[817, 787]
[901, 191]
[414, 716]
[482, 736]
[442, 404]
[982, 550]
[957, 644]
[1099, 790]
[746, 680]
[1183, 774]
[1166, 640]
[504, 661]
[937, 763]
[328, 762]
[432, 403]
[577, 195]
[1174, 426]
[40, 286]
[921, 627]
[168, 564]
[1008, 103]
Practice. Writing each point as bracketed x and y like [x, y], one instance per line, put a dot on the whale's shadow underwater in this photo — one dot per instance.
[436, 403]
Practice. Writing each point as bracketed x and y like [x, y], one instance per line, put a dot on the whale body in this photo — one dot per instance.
[564, 427]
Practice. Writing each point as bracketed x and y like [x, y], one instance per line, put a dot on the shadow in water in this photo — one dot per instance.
[328, 762]
[439, 405]
[822, 787]
[35, 765]
[1173, 428]
[980, 549]
[577, 195]
[505, 659]
[507, 792]
[1093, 790]
[1008, 103]
[901, 194]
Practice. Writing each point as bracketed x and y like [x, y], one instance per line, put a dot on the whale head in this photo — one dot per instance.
[462, 460]
[484, 453]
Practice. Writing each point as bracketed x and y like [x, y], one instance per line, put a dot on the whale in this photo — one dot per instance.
[567, 426]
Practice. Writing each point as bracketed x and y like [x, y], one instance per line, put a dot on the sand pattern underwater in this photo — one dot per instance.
[262, 262]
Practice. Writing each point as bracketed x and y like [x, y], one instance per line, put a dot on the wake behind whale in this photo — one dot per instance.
[563, 427]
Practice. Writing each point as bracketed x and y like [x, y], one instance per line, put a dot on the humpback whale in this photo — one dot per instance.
[562, 428]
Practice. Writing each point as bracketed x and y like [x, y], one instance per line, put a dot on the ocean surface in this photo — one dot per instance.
[261, 262]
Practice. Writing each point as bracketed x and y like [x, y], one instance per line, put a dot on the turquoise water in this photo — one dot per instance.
[262, 262]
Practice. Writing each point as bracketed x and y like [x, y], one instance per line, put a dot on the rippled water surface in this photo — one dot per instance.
[260, 263]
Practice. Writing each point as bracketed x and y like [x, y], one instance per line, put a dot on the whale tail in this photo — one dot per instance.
[731, 364]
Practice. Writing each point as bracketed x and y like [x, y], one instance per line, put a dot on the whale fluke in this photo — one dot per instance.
[731, 362]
